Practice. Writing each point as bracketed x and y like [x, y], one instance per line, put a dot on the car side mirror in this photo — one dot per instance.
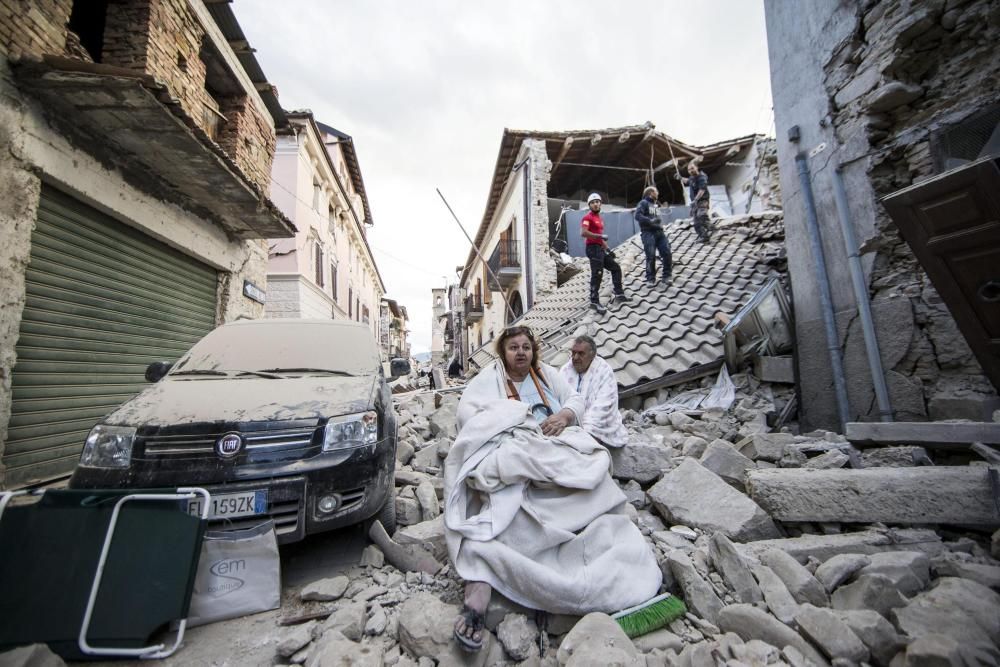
[399, 368]
[156, 370]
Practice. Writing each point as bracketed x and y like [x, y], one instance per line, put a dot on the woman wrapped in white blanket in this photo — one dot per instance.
[530, 506]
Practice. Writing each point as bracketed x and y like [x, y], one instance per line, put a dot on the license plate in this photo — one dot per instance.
[231, 505]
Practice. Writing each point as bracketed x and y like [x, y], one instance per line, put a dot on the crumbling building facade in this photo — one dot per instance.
[137, 142]
[890, 93]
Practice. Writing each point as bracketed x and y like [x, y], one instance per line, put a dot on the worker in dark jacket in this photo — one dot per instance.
[697, 183]
[654, 241]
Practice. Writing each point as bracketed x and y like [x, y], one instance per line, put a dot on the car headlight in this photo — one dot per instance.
[350, 431]
[108, 447]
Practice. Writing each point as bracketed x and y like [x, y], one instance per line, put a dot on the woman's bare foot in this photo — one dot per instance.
[469, 626]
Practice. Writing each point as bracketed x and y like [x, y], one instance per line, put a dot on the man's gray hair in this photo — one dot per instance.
[588, 340]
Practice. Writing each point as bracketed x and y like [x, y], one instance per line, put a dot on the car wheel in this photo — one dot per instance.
[387, 515]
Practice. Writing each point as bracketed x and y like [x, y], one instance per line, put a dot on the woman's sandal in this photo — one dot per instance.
[473, 619]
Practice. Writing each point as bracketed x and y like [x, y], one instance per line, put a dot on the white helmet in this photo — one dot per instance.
[593, 196]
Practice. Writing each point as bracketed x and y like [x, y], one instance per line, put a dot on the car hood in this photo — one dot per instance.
[208, 399]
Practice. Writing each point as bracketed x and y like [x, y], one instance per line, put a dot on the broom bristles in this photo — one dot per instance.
[650, 615]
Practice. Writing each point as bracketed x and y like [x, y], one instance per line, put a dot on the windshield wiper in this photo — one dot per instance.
[308, 370]
[199, 371]
[263, 374]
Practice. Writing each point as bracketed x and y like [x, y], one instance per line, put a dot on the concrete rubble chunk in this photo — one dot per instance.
[296, 638]
[822, 547]
[404, 452]
[519, 637]
[325, 589]
[426, 625]
[597, 640]
[659, 640]
[800, 582]
[722, 458]
[834, 637]
[872, 591]
[639, 462]
[893, 457]
[404, 557]
[749, 622]
[443, 421]
[835, 571]
[455, 656]
[755, 652]
[828, 460]
[407, 511]
[933, 649]
[909, 571]
[377, 621]
[779, 601]
[987, 575]
[427, 497]
[694, 446]
[410, 478]
[769, 446]
[959, 608]
[372, 556]
[428, 534]
[33, 655]
[891, 95]
[939, 494]
[335, 650]
[733, 568]
[875, 632]
[349, 620]
[698, 593]
[694, 496]
[635, 495]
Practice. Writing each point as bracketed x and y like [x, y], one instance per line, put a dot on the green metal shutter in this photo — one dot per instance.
[103, 301]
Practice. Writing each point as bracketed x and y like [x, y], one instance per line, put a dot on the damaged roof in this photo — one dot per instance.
[663, 334]
[610, 160]
[351, 157]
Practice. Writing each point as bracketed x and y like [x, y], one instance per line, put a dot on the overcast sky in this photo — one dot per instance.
[426, 89]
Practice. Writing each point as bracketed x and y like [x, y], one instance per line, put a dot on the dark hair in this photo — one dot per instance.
[512, 332]
[588, 340]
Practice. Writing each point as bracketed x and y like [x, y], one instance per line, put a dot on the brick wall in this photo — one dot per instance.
[909, 69]
[33, 26]
[248, 138]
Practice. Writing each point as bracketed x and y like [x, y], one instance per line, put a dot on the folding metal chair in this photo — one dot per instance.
[96, 573]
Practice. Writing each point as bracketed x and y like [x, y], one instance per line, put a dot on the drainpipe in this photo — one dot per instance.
[525, 195]
[825, 297]
[862, 298]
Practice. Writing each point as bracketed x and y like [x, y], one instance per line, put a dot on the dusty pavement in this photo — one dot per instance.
[741, 521]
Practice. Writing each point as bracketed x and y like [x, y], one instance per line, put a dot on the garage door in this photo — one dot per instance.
[103, 301]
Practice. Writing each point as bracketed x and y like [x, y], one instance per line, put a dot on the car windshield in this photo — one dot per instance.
[267, 347]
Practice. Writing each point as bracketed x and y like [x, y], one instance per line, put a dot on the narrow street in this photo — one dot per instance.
[649, 334]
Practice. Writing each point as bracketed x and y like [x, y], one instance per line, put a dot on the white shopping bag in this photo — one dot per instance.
[239, 573]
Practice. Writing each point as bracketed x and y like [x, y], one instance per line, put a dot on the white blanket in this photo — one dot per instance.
[599, 390]
[539, 518]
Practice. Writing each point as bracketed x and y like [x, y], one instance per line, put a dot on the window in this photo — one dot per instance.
[319, 265]
[350, 303]
[357, 309]
[333, 281]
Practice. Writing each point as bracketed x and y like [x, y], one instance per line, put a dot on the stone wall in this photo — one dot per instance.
[33, 26]
[231, 302]
[867, 84]
[544, 278]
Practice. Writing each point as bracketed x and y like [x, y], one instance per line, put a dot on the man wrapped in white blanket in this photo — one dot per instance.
[530, 506]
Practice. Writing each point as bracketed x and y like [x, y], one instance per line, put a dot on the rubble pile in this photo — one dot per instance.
[705, 488]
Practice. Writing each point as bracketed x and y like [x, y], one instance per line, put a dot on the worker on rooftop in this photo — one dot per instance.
[599, 254]
[654, 241]
[697, 183]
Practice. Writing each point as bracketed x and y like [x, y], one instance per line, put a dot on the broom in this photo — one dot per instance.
[651, 615]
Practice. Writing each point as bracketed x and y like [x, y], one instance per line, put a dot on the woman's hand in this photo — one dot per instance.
[555, 424]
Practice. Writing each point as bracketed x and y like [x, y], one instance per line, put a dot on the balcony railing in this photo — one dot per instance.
[473, 308]
[505, 263]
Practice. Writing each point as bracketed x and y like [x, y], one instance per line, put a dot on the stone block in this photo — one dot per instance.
[800, 582]
[834, 637]
[335, 649]
[427, 497]
[893, 457]
[325, 590]
[958, 608]
[892, 95]
[909, 571]
[829, 460]
[349, 620]
[941, 494]
[722, 458]
[295, 638]
[694, 496]
[733, 568]
[642, 463]
[519, 637]
[407, 511]
[871, 591]
[430, 534]
[749, 623]
[835, 571]
[987, 575]
[875, 632]
[698, 593]
[426, 625]
[774, 369]
[769, 446]
[597, 640]
[822, 547]
[693, 446]
[779, 601]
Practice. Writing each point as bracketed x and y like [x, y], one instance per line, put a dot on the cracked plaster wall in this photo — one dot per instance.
[872, 80]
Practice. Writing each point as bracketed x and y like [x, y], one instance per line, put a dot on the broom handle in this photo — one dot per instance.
[626, 612]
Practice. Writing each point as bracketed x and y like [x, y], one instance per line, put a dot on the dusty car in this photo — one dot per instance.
[290, 419]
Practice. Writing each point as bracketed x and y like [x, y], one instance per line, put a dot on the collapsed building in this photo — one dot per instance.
[138, 138]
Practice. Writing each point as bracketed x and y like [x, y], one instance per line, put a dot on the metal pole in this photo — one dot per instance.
[478, 254]
[825, 296]
[862, 298]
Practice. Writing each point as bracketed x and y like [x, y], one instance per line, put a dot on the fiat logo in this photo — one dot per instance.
[229, 445]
